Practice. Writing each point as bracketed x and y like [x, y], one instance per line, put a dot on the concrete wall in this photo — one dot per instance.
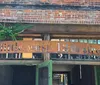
[61, 68]
[24, 75]
[17, 75]
[6, 74]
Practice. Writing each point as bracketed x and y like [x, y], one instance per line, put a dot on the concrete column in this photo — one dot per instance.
[47, 38]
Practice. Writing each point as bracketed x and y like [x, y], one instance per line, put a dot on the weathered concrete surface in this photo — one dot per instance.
[17, 75]
[20, 62]
[77, 62]
[63, 29]
[24, 75]
[35, 62]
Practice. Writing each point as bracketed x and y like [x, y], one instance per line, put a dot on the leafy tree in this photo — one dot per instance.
[10, 32]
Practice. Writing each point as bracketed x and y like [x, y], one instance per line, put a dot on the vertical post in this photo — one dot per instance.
[6, 55]
[47, 38]
[80, 72]
[96, 79]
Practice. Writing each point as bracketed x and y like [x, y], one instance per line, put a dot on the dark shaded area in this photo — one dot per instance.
[24, 75]
[6, 74]
[97, 75]
[87, 78]
[75, 75]
[69, 78]
[43, 76]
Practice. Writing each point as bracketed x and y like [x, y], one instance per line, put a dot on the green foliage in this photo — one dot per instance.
[10, 32]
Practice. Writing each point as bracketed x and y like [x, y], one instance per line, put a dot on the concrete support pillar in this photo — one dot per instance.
[47, 38]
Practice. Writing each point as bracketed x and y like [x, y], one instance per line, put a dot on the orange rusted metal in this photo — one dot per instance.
[49, 47]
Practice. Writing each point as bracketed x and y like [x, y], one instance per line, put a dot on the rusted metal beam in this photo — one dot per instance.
[49, 47]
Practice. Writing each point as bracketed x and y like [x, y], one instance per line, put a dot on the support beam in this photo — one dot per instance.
[77, 62]
[47, 38]
[59, 36]
[64, 29]
[35, 62]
